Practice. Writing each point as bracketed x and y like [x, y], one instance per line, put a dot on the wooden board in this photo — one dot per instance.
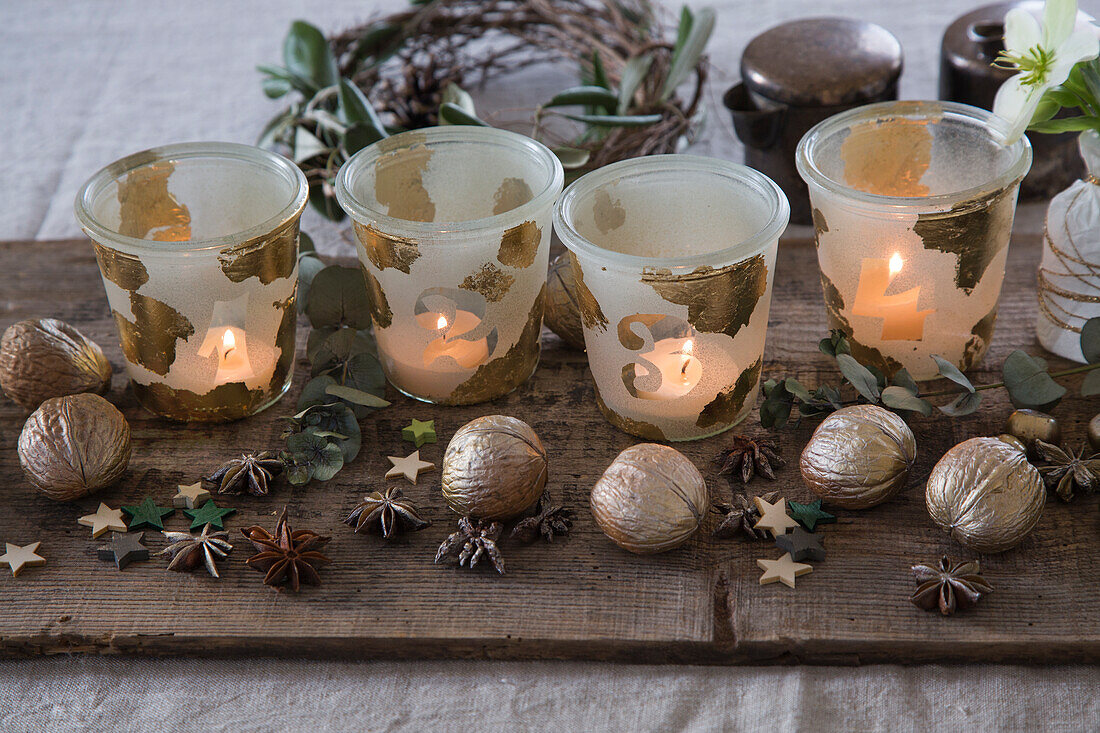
[580, 598]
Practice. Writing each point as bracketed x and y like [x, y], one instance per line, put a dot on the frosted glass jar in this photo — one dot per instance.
[198, 247]
[453, 232]
[674, 257]
[913, 204]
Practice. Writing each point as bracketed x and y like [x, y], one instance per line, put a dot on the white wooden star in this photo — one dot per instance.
[190, 497]
[104, 520]
[18, 557]
[773, 517]
[410, 466]
[784, 570]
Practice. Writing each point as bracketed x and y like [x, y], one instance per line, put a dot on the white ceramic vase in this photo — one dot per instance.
[1069, 272]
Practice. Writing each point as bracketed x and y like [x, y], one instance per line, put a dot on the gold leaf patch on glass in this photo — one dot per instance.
[225, 402]
[505, 373]
[718, 301]
[980, 337]
[150, 339]
[724, 408]
[379, 306]
[640, 428]
[519, 245]
[285, 341]
[591, 313]
[145, 206]
[820, 225]
[975, 231]
[888, 157]
[269, 258]
[125, 271]
[399, 183]
[492, 282]
[834, 304]
[513, 193]
[385, 250]
[608, 214]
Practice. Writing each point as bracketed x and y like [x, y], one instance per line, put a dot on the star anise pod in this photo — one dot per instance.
[473, 540]
[188, 550]
[1068, 471]
[747, 457]
[949, 586]
[548, 520]
[741, 516]
[252, 472]
[388, 512]
[287, 557]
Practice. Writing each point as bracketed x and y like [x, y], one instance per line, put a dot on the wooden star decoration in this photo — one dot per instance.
[104, 520]
[801, 545]
[810, 515]
[784, 570]
[147, 514]
[190, 496]
[209, 513]
[773, 517]
[124, 549]
[419, 432]
[410, 466]
[17, 558]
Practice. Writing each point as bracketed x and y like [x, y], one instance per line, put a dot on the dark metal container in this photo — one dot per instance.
[970, 46]
[796, 75]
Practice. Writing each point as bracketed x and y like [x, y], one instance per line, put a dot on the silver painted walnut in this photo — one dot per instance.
[47, 358]
[494, 468]
[650, 499]
[74, 445]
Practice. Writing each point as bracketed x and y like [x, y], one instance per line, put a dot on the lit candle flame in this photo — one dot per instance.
[895, 264]
[229, 341]
[441, 323]
[685, 359]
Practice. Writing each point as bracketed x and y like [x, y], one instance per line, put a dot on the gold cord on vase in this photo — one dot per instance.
[1046, 288]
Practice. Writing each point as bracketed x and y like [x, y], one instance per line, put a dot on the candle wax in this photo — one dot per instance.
[233, 364]
[468, 354]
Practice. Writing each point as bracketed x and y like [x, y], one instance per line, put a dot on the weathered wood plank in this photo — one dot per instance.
[582, 598]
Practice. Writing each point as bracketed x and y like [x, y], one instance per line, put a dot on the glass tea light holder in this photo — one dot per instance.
[673, 257]
[913, 205]
[197, 244]
[453, 232]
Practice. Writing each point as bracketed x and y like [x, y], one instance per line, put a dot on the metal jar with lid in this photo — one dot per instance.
[796, 75]
[970, 46]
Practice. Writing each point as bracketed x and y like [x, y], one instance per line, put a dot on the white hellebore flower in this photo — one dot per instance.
[1045, 54]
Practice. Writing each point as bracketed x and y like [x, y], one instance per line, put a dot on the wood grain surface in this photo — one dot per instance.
[581, 597]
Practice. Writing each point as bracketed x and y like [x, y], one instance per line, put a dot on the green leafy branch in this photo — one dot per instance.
[1026, 378]
[346, 382]
[1081, 92]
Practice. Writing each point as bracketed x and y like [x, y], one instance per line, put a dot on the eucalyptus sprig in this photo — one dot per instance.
[1026, 378]
[347, 380]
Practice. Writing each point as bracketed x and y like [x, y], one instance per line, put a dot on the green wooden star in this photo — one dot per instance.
[209, 513]
[810, 515]
[419, 432]
[147, 514]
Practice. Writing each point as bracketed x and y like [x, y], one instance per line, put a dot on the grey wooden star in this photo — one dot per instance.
[124, 549]
[801, 544]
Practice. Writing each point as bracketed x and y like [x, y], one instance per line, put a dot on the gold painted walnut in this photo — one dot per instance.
[495, 468]
[859, 456]
[650, 499]
[49, 358]
[74, 445]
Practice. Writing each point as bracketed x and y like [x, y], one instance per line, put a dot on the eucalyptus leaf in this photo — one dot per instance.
[358, 396]
[903, 379]
[1028, 383]
[323, 458]
[452, 114]
[285, 76]
[795, 388]
[775, 411]
[337, 349]
[325, 203]
[1090, 386]
[316, 340]
[275, 87]
[616, 120]
[314, 394]
[964, 404]
[338, 297]
[308, 267]
[306, 53]
[298, 474]
[592, 96]
[1090, 340]
[571, 158]
[949, 371]
[307, 145]
[634, 73]
[305, 244]
[334, 420]
[689, 48]
[900, 398]
[859, 377]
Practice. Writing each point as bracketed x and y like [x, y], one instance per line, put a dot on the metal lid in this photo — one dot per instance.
[819, 62]
[972, 41]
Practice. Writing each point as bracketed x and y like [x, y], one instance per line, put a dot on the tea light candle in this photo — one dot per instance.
[901, 320]
[678, 369]
[232, 354]
[467, 353]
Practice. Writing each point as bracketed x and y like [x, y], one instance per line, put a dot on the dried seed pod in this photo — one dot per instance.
[1032, 425]
[494, 468]
[985, 493]
[561, 311]
[74, 445]
[859, 456]
[650, 499]
[49, 358]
